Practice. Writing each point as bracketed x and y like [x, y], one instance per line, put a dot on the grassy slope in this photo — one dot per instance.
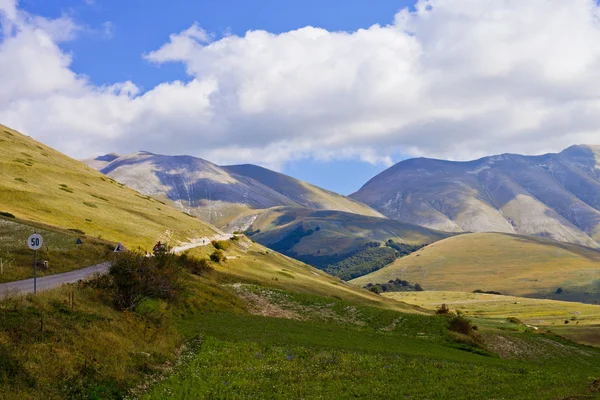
[583, 319]
[340, 232]
[59, 250]
[328, 349]
[40, 184]
[514, 265]
[251, 261]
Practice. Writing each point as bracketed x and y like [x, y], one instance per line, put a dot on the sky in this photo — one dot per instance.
[331, 92]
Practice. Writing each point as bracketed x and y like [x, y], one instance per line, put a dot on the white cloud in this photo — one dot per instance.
[455, 79]
[108, 30]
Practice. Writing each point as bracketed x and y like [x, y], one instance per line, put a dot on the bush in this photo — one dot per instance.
[418, 287]
[217, 256]
[234, 238]
[6, 214]
[460, 324]
[376, 289]
[220, 245]
[197, 266]
[559, 290]
[135, 277]
[443, 310]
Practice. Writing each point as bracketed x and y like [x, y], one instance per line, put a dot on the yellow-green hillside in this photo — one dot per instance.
[251, 261]
[510, 264]
[40, 184]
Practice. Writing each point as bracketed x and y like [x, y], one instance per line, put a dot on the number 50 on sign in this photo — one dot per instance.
[35, 241]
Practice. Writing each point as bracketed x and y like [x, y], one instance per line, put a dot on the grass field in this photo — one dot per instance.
[240, 356]
[509, 264]
[576, 321]
[59, 250]
[40, 184]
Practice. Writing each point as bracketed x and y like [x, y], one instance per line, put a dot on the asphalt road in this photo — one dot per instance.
[52, 281]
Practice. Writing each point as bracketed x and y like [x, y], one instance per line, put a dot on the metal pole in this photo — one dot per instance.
[35, 272]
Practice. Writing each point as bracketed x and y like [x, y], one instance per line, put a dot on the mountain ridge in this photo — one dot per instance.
[555, 194]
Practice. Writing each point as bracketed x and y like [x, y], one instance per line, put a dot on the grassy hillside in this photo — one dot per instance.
[253, 262]
[336, 241]
[251, 329]
[510, 264]
[59, 250]
[40, 184]
[576, 321]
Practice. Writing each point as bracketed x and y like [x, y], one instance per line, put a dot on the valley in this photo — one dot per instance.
[265, 313]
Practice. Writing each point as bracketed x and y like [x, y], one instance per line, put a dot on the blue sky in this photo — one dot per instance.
[116, 33]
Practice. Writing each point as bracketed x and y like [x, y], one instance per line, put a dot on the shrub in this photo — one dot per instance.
[135, 277]
[443, 310]
[217, 256]
[6, 214]
[418, 287]
[197, 266]
[220, 245]
[376, 289]
[460, 324]
[234, 238]
[559, 290]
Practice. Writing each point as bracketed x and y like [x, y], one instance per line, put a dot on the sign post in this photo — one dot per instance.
[35, 243]
[78, 243]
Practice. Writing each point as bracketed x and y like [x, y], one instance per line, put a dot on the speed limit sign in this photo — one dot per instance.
[35, 241]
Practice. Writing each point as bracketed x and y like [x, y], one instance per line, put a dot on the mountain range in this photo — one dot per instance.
[219, 194]
[552, 195]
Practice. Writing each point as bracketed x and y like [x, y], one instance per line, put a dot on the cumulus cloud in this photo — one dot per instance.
[453, 78]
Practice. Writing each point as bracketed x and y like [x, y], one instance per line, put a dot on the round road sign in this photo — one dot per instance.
[35, 242]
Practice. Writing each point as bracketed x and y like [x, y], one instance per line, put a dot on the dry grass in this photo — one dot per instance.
[40, 184]
[509, 264]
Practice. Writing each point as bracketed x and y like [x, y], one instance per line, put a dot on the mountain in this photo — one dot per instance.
[40, 184]
[302, 193]
[340, 243]
[552, 195]
[218, 194]
[525, 266]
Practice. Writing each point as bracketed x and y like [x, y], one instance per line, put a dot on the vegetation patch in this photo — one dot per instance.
[99, 197]
[92, 205]
[6, 214]
[20, 180]
[397, 285]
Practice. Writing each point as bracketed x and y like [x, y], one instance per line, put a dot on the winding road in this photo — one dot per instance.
[54, 281]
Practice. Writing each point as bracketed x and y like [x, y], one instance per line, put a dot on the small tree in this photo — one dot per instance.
[559, 290]
[376, 289]
[135, 277]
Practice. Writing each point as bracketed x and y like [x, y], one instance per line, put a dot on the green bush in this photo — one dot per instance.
[197, 266]
[460, 324]
[217, 256]
[220, 244]
[234, 238]
[135, 277]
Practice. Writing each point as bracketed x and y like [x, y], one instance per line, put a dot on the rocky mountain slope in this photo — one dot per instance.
[552, 195]
[218, 194]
